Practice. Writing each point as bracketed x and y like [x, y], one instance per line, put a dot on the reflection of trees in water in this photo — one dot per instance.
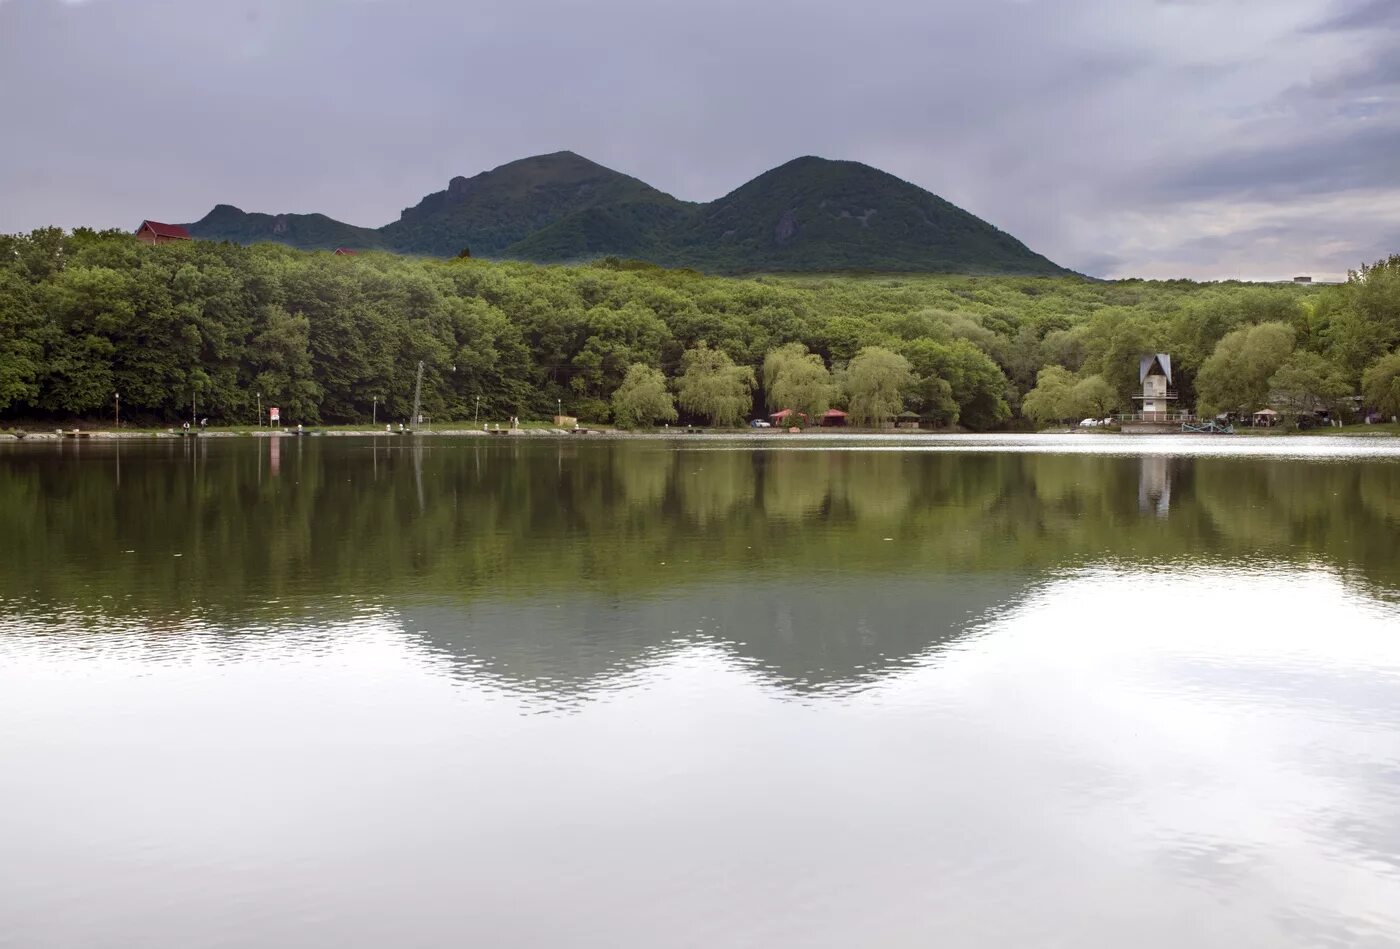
[521, 518]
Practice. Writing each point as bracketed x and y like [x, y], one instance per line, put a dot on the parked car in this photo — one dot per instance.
[760, 423]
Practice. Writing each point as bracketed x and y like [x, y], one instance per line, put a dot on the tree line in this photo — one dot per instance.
[87, 316]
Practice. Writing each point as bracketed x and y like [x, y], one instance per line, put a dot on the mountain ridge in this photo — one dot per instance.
[810, 214]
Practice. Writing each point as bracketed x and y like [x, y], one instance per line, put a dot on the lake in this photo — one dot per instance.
[1081, 691]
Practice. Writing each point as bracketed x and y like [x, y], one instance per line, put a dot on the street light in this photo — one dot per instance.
[477, 418]
[117, 415]
[259, 410]
[558, 411]
[374, 411]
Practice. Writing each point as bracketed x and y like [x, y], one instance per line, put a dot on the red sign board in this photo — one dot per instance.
[274, 413]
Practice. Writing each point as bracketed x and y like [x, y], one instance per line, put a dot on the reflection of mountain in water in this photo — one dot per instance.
[818, 635]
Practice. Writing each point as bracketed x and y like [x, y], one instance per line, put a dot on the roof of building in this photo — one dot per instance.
[345, 252]
[833, 413]
[1145, 366]
[164, 230]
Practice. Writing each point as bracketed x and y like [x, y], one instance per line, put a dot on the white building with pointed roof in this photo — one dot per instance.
[1158, 391]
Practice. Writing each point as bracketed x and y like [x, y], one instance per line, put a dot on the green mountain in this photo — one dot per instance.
[816, 214]
[496, 209]
[811, 214]
[307, 231]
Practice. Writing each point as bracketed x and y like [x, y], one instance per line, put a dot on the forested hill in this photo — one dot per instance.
[306, 231]
[808, 215]
[87, 315]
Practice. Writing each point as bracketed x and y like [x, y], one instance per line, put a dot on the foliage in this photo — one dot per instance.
[1307, 384]
[1380, 385]
[957, 384]
[711, 386]
[1235, 378]
[1095, 397]
[305, 231]
[643, 399]
[1362, 320]
[1051, 399]
[86, 315]
[798, 380]
[875, 383]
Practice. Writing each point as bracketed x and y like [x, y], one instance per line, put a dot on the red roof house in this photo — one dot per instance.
[154, 232]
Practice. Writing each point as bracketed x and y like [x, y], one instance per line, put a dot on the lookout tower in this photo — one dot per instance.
[1158, 392]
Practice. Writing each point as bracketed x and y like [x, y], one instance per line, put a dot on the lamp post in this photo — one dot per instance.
[259, 410]
[117, 412]
[374, 411]
[558, 411]
[477, 417]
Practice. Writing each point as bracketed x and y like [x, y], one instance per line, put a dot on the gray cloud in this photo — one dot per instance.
[1364, 16]
[1123, 137]
[1365, 158]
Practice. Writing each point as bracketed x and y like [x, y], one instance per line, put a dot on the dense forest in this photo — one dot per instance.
[87, 315]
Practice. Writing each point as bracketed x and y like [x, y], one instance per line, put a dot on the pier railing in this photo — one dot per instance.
[1175, 417]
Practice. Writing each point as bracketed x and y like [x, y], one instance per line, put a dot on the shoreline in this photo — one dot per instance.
[1358, 431]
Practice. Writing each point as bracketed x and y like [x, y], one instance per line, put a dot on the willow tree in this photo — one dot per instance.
[643, 399]
[711, 386]
[875, 384]
[796, 379]
[1052, 399]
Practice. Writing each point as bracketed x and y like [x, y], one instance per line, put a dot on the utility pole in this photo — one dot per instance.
[417, 397]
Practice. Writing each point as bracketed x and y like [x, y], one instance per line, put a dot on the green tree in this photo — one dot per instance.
[284, 373]
[957, 383]
[1307, 384]
[1236, 376]
[1095, 397]
[22, 342]
[1053, 398]
[798, 380]
[1380, 385]
[643, 399]
[1366, 315]
[711, 386]
[875, 383]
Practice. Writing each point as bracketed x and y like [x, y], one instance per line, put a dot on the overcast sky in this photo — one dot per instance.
[1156, 138]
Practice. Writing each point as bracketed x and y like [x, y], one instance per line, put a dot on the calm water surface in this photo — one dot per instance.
[1080, 692]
